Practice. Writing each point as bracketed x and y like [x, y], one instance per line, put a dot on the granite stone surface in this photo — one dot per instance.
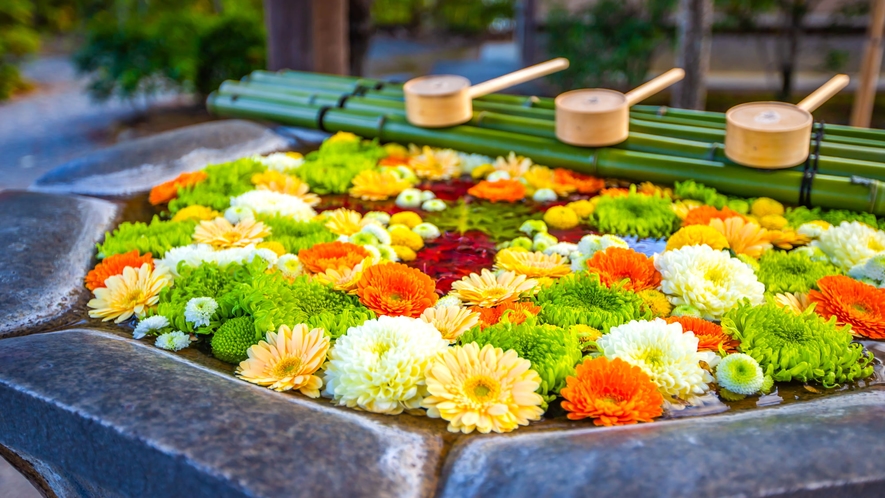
[114, 417]
[136, 166]
[44, 255]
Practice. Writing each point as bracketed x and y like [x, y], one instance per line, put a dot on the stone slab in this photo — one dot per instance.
[136, 166]
[46, 247]
[101, 415]
[823, 448]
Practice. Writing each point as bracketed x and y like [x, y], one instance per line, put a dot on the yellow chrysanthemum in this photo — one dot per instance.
[131, 293]
[402, 236]
[196, 212]
[343, 136]
[407, 218]
[484, 390]
[371, 185]
[656, 302]
[287, 359]
[221, 234]
[773, 222]
[487, 291]
[395, 150]
[532, 264]
[796, 302]
[681, 208]
[345, 279]
[451, 321]
[405, 253]
[343, 221]
[764, 206]
[744, 237]
[561, 217]
[276, 247]
[649, 188]
[539, 177]
[696, 235]
[434, 164]
[583, 208]
[514, 165]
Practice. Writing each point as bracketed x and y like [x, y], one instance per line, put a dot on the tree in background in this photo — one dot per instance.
[17, 39]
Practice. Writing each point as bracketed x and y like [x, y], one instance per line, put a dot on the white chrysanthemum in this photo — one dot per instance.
[236, 214]
[266, 254]
[813, 229]
[433, 205]
[850, 244]
[289, 265]
[591, 244]
[470, 162]
[409, 198]
[173, 341]
[710, 280]
[544, 195]
[669, 356]
[871, 269]
[427, 231]
[427, 195]
[377, 231]
[447, 301]
[578, 261]
[379, 366]
[543, 241]
[149, 325]
[387, 252]
[495, 176]
[199, 310]
[380, 217]
[270, 202]
[740, 374]
[564, 249]
[192, 255]
[533, 226]
[280, 161]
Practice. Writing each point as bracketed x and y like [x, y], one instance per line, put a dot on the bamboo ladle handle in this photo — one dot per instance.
[517, 77]
[654, 86]
[824, 93]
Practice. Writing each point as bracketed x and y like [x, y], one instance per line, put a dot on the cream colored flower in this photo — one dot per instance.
[744, 237]
[221, 234]
[344, 279]
[532, 264]
[514, 165]
[451, 321]
[796, 302]
[487, 291]
[287, 359]
[132, 293]
[434, 164]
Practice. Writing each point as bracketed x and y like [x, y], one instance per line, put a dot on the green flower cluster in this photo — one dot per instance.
[580, 298]
[233, 339]
[296, 235]
[331, 169]
[223, 181]
[791, 272]
[802, 347]
[635, 214]
[800, 215]
[337, 323]
[695, 191]
[553, 351]
[499, 220]
[156, 238]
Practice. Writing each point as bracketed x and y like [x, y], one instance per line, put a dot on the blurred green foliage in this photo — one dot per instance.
[17, 39]
[610, 43]
[451, 16]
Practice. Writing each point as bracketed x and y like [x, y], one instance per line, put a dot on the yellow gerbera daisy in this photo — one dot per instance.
[371, 185]
[276, 181]
[744, 237]
[532, 264]
[343, 221]
[434, 164]
[787, 239]
[485, 390]
[344, 279]
[287, 360]
[221, 234]
[196, 212]
[131, 293]
[487, 291]
[451, 321]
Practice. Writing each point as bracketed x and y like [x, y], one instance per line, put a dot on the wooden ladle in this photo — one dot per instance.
[775, 135]
[597, 117]
[447, 100]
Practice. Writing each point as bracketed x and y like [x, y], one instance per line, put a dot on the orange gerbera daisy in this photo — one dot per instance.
[611, 392]
[710, 336]
[744, 237]
[165, 192]
[584, 184]
[113, 265]
[518, 313]
[617, 263]
[395, 289]
[703, 214]
[321, 257]
[501, 190]
[852, 303]
[615, 192]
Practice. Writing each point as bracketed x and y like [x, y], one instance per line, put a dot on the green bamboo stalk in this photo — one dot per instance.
[827, 191]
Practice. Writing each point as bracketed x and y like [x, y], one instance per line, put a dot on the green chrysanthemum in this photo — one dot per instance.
[635, 214]
[580, 298]
[692, 190]
[800, 215]
[783, 272]
[501, 221]
[553, 351]
[802, 347]
[156, 238]
[740, 374]
[337, 324]
[233, 339]
[222, 182]
[296, 235]
[331, 169]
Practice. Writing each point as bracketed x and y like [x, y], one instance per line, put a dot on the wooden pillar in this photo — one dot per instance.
[694, 37]
[862, 111]
[307, 35]
[526, 30]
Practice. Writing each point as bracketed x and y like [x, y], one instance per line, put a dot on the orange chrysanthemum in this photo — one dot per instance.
[395, 289]
[113, 265]
[321, 257]
[617, 263]
[614, 192]
[611, 392]
[165, 192]
[518, 313]
[852, 303]
[501, 190]
[710, 336]
[584, 184]
[703, 214]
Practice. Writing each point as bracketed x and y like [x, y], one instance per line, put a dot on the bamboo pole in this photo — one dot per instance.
[862, 111]
[783, 185]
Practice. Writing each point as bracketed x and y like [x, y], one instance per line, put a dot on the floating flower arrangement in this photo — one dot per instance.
[485, 291]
